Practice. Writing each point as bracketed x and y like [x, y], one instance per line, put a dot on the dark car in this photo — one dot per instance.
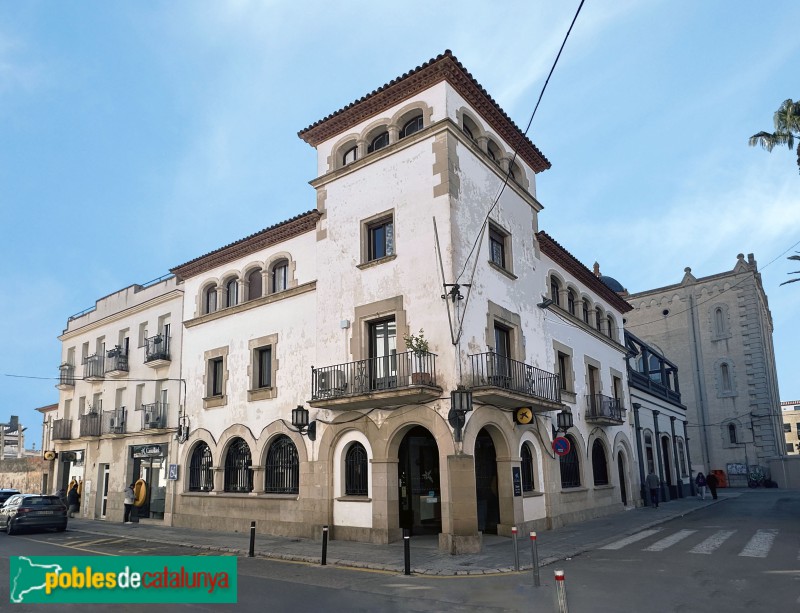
[5, 494]
[33, 511]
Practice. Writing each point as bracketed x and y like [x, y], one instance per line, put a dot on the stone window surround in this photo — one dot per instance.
[617, 374]
[495, 314]
[718, 335]
[741, 434]
[587, 362]
[210, 402]
[722, 392]
[365, 314]
[392, 125]
[264, 393]
[365, 224]
[569, 393]
[508, 253]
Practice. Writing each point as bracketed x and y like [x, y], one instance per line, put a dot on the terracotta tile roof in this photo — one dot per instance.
[561, 256]
[300, 224]
[444, 67]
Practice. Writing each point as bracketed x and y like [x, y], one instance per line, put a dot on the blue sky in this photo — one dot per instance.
[135, 136]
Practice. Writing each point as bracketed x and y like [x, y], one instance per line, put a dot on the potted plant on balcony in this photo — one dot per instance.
[418, 346]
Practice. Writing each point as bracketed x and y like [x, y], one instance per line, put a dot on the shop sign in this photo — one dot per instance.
[147, 451]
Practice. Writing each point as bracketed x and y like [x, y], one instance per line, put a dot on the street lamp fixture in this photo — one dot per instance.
[460, 405]
[300, 421]
[564, 421]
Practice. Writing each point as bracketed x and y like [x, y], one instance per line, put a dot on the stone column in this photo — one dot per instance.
[385, 500]
[258, 480]
[639, 452]
[394, 134]
[461, 508]
[657, 443]
[361, 149]
[510, 506]
[219, 480]
[678, 476]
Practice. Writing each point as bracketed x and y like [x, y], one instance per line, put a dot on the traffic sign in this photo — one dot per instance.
[561, 445]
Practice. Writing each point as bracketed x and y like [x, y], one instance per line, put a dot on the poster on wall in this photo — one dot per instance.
[516, 477]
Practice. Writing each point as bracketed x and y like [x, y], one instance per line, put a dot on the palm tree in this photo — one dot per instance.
[796, 272]
[787, 128]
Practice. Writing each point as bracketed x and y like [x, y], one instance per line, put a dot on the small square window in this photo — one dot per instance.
[787, 427]
[500, 248]
[380, 239]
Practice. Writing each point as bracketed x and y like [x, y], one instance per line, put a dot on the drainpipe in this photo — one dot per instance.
[636, 407]
[678, 476]
[658, 454]
[689, 460]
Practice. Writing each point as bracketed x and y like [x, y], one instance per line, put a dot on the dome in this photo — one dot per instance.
[612, 284]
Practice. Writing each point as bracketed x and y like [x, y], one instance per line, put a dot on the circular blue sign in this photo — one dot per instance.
[561, 445]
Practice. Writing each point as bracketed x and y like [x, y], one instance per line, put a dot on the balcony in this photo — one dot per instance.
[506, 383]
[154, 416]
[116, 363]
[62, 430]
[93, 367]
[114, 421]
[90, 424]
[653, 386]
[66, 376]
[604, 411]
[156, 351]
[397, 379]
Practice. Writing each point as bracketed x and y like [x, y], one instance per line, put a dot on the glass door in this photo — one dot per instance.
[104, 491]
[383, 354]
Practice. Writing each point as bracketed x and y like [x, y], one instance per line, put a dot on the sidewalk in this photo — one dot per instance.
[426, 559]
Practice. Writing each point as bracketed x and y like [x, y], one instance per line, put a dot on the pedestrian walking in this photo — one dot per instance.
[700, 482]
[712, 483]
[73, 500]
[653, 483]
[129, 498]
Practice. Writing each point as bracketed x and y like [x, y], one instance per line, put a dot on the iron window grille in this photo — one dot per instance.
[355, 471]
[238, 467]
[570, 467]
[527, 469]
[201, 477]
[599, 465]
[282, 474]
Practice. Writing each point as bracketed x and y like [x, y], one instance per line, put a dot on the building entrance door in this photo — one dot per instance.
[420, 494]
[486, 483]
[153, 471]
[104, 471]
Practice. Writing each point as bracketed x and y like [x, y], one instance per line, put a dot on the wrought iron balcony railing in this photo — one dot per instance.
[156, 348]
[494, 370]
[90, 424]
[114, 421]
[657, 388]
[116, 360]
[62, 430]
[154, 415]
[603, 409]
[66, 375]
[93, 366]
[396, 371]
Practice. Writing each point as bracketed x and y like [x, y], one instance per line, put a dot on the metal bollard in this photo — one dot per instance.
[516, 548]
[407, 551]
[561, 592]
[535, 559]
[324, 545]
[252, 551]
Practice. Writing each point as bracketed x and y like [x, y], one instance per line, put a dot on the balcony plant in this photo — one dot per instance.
[418, 346]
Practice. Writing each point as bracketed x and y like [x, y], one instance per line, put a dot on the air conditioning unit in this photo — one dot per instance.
[331, 380]
[149, 417]
[113, 423]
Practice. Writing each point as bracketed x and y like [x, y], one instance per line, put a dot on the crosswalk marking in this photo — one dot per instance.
[670, 540]
[631, 539]
[760, 544]
[713, 542]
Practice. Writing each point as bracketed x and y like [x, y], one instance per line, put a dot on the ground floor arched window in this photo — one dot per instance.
[201, 477]
[570, 466]
[599, 464]
[528, 484]
[355, 471]
[238, 467]
[282, 470]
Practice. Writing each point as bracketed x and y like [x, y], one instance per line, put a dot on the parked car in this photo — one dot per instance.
[33, 511]
[5, 494]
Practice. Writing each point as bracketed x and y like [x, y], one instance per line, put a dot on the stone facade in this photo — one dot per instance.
[718, 330]
[790, 413]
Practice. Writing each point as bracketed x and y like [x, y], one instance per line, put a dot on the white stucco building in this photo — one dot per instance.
[412, 231]
[120, 399]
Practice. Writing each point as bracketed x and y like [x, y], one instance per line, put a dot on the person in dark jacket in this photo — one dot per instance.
[700, 482]
[712, 482]
[73, 500]
[653, 482]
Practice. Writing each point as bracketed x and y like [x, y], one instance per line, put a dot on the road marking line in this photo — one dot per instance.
[713, 542]
[100, 553]
[631, 539]
[670, 540]
[760, 544]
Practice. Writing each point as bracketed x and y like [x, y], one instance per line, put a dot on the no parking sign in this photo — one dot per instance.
[561, 445]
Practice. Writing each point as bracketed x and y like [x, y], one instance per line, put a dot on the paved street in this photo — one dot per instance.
[739, 554]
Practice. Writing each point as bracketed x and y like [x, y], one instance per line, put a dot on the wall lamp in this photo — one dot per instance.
[564, 421]
[460, 405]
[300, 421]
[546, 302]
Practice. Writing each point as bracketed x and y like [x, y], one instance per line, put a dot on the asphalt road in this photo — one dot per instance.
[741, 555]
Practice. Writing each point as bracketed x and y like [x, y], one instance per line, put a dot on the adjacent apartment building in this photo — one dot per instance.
[790, 412]
[718, 331]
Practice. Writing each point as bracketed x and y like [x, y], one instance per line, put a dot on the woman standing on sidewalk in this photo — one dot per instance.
[700, 482]
[129, 498]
